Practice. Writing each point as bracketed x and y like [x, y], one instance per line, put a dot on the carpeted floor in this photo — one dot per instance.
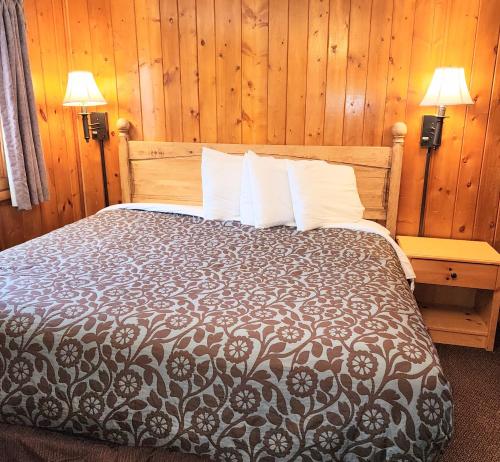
[475, 377]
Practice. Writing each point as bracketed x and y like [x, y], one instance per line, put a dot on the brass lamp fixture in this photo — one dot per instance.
[82, 91]
[447, 88]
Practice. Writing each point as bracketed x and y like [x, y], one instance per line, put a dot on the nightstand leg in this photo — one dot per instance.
[488, 309]
[495, 303]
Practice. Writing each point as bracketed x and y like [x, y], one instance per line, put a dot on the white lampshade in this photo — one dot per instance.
[82, 90]
[447, 88]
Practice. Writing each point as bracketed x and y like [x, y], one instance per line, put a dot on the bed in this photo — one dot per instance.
[150, 327]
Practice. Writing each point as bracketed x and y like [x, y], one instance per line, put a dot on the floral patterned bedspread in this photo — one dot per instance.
[216, 338]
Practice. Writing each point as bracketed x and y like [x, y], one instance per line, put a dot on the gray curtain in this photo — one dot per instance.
[18, 114]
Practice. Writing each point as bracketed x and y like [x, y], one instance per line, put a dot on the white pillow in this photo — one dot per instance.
[221, 184]
[271, 199]
[323, 194]
[246, 199]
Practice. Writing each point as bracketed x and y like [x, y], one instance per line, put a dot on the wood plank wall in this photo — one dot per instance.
[271, 71]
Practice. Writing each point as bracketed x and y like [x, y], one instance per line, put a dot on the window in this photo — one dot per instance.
[4, 184]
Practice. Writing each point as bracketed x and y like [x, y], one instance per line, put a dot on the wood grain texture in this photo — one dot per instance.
[298, 15]
[189, 70]
[488, 201]
[458, 50]
[457, 288]
[205, 17]
[278, 71]
[455, 273]
[169, 19]
[485, 54]
[254, 63]
[228, 69]
[403, 17]
[292, 72]
[336, 73]
[426, 52]
[80, 46]
[449, 250]
[377, 73]
[54, 59]
[357, 66]
[127, 63]
[103, 61]
[48, 210]
[317, 56]
[149, 53]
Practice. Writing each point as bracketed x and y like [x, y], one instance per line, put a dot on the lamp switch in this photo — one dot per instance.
[99, 125]
[429, 124]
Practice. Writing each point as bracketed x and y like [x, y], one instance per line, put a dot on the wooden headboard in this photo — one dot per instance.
[170, 172]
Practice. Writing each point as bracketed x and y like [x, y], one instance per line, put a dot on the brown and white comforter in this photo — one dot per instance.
[153, 329]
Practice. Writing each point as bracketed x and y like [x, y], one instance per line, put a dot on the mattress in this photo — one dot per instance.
[219, 339]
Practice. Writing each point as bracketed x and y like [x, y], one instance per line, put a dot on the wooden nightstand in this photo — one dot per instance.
[457, 288]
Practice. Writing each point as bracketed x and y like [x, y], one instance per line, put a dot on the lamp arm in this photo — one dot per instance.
[104, 173]
[85, 123]
[432, 144]
[423, 202]
[440, 116]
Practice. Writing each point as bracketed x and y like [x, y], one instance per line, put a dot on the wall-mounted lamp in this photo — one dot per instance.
[82, 91]
[447, 88]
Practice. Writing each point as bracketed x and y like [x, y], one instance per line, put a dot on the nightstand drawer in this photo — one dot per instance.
[455, 274]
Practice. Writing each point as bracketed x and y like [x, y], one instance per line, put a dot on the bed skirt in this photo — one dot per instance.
[27, 444]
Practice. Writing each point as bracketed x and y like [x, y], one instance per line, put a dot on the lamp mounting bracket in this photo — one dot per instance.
[99, 125]
[432, 126]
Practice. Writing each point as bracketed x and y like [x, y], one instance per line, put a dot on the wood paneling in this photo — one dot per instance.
[270, 71]
[189, 70]
[378, 68]
[357, 65]
[486, 216]
[228, 69]
[476, 121]
[205, 19]
[317, 48]
[149, 53]
[278, 71]
[338, 41]
[458, 50]
[103, 65]
[254, 62]
[298, 16]
[169, 20]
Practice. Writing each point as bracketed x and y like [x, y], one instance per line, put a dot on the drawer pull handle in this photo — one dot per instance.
[453, 275]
